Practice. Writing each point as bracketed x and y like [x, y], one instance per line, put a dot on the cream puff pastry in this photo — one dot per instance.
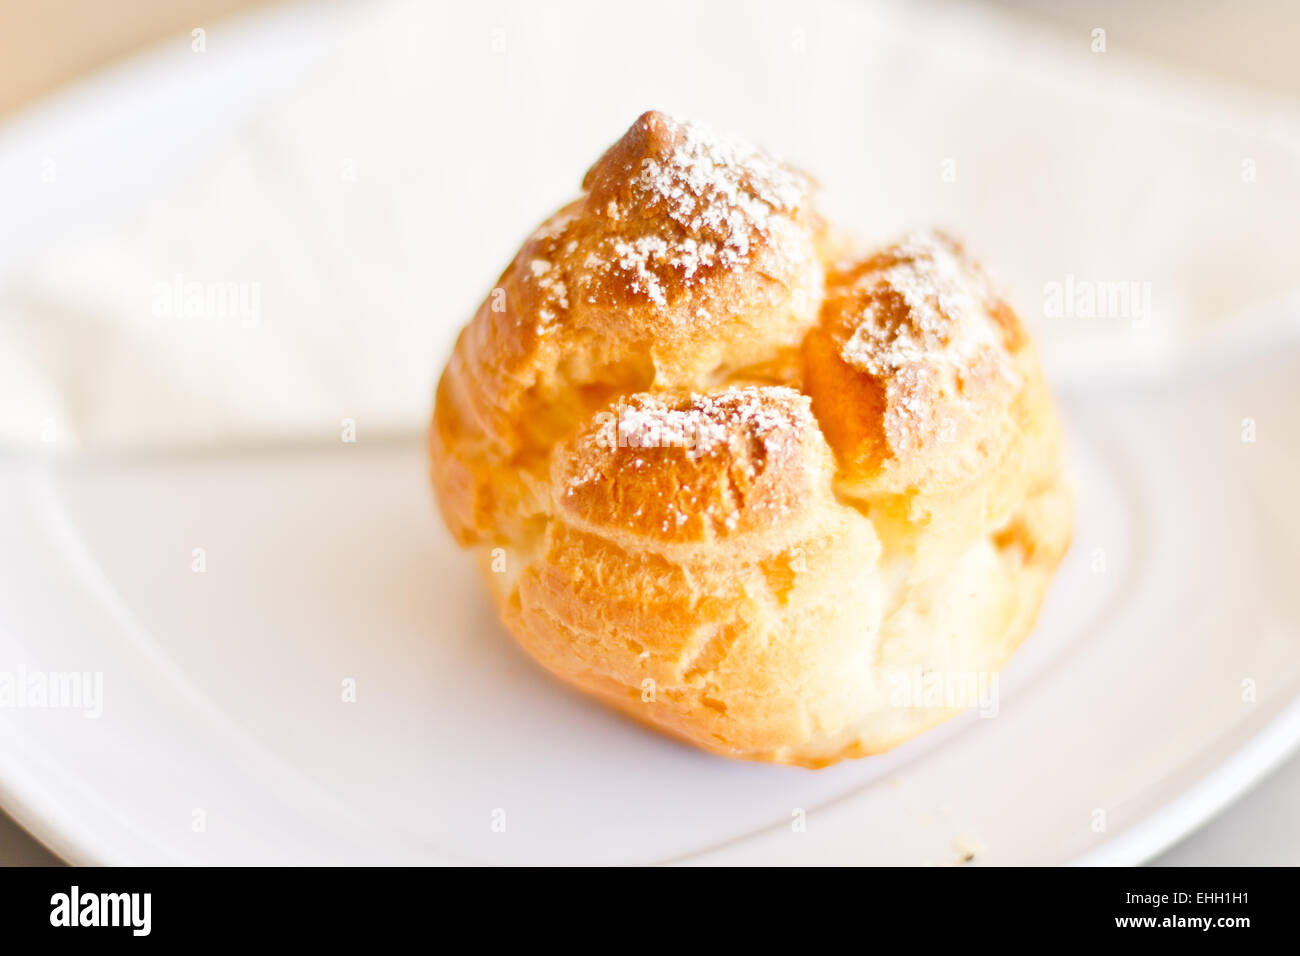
[739, 479]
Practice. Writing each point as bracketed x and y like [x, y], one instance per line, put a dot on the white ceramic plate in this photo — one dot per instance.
[1121, 725]
[223, 689]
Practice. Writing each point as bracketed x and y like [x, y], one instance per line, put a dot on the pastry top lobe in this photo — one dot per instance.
[693, 469]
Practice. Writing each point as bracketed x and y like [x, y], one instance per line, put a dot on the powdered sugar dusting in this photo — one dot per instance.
[945, 317]
[723, 195]
[928, 329]
[699, 424]
[555, 294]
[640, 257]
[720, 188]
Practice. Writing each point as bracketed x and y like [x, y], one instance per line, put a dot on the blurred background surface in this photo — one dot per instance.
[1250, 43]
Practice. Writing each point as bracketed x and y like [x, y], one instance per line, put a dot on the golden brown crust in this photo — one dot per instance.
[915, 337]
[930, 393]
[678, 469]
[731, 486]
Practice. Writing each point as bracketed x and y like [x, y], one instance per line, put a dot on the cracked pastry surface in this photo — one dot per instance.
[741, 481]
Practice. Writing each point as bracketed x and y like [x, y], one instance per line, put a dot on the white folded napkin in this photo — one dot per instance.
[316, 272]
